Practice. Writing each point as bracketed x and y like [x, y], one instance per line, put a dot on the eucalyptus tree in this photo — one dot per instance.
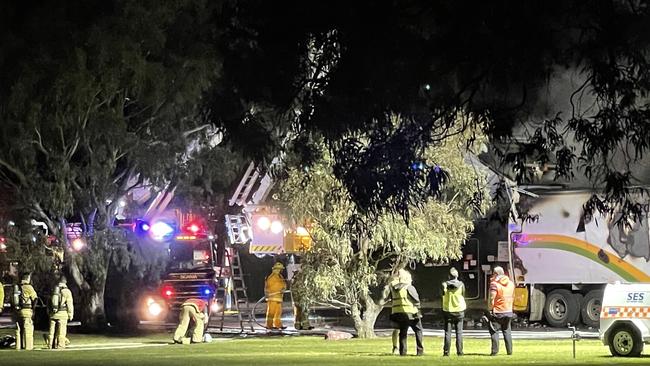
[355, 253]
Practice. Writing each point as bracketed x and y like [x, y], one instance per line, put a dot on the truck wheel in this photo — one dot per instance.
[591, 306]
[625, 341]
[561, 308]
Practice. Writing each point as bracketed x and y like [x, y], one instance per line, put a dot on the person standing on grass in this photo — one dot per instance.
[453, 309]
[2, 296]
[405, 311]
[61, 312]
[24, 301]
[274, 287]
[395, 333]
[502, 297]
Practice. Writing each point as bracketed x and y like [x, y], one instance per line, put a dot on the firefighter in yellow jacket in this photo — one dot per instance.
[193, 309]
[61, 311]
[24, 300]
[273, 289]
[2, 296]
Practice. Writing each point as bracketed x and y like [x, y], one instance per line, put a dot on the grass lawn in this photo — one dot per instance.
[305, 351]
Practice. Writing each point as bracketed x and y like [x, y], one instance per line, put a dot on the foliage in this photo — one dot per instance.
[354, 252]
[99, 100]
[495, 59]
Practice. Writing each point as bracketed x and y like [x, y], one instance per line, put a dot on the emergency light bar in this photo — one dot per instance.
[186, 237]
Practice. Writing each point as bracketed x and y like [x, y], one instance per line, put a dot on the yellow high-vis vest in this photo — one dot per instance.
[401, 302]
[453, 301]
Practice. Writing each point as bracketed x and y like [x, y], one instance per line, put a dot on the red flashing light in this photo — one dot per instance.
[194, 228]
[167, 291]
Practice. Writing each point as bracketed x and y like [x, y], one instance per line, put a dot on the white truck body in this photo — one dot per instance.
[625, 318]
[566, 257]
[556, 244]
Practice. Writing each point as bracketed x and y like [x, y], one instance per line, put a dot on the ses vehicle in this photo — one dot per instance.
[192, 272]
[562, 258]
[625, 318]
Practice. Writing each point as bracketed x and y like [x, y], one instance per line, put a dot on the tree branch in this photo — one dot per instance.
[195, 130]
[21, 177]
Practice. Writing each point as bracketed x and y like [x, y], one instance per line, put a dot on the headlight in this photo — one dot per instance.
[214, 308]
[153, 307]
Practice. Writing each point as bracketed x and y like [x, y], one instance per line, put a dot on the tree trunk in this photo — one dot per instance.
[93, 314]
[88, 270]
[365, 318]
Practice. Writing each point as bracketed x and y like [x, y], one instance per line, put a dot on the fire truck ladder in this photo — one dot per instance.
[245, 186]
[237, 288]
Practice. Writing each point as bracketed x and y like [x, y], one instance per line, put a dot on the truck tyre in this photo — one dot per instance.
[625, 341]
[590, 309]
[561, 308]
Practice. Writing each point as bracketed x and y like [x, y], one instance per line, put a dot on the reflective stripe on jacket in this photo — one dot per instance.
[502, 293]
[453, 298]
[401, 303]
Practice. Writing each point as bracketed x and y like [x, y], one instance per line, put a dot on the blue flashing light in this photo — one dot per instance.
[141, 227]
[205, 291]
[418, 166]
[161, 231]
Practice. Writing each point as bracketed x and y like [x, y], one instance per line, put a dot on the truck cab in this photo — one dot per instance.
[192, 272]
[625, 318]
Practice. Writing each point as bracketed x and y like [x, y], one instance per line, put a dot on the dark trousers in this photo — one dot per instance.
[501, 322]
[455, 320]
[416, 325]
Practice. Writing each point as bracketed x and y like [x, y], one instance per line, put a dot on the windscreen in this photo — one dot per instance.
[188, 255]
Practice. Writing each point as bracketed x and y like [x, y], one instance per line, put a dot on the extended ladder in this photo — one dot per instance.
[236, 287]
[245, 186]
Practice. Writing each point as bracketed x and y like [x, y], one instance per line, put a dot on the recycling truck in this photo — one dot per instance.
[625, 318]
[562, 257]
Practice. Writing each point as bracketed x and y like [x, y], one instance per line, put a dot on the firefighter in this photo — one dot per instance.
[61, 311]
[193, 309]
[2, 296]
[24, 300]
[502, 295]
[273, 289]
[300, 306]
[405, 311]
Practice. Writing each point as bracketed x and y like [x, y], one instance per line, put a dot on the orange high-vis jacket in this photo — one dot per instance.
[274, 286]
[502, 295]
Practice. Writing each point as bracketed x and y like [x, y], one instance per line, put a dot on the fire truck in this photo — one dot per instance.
[192, 272]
